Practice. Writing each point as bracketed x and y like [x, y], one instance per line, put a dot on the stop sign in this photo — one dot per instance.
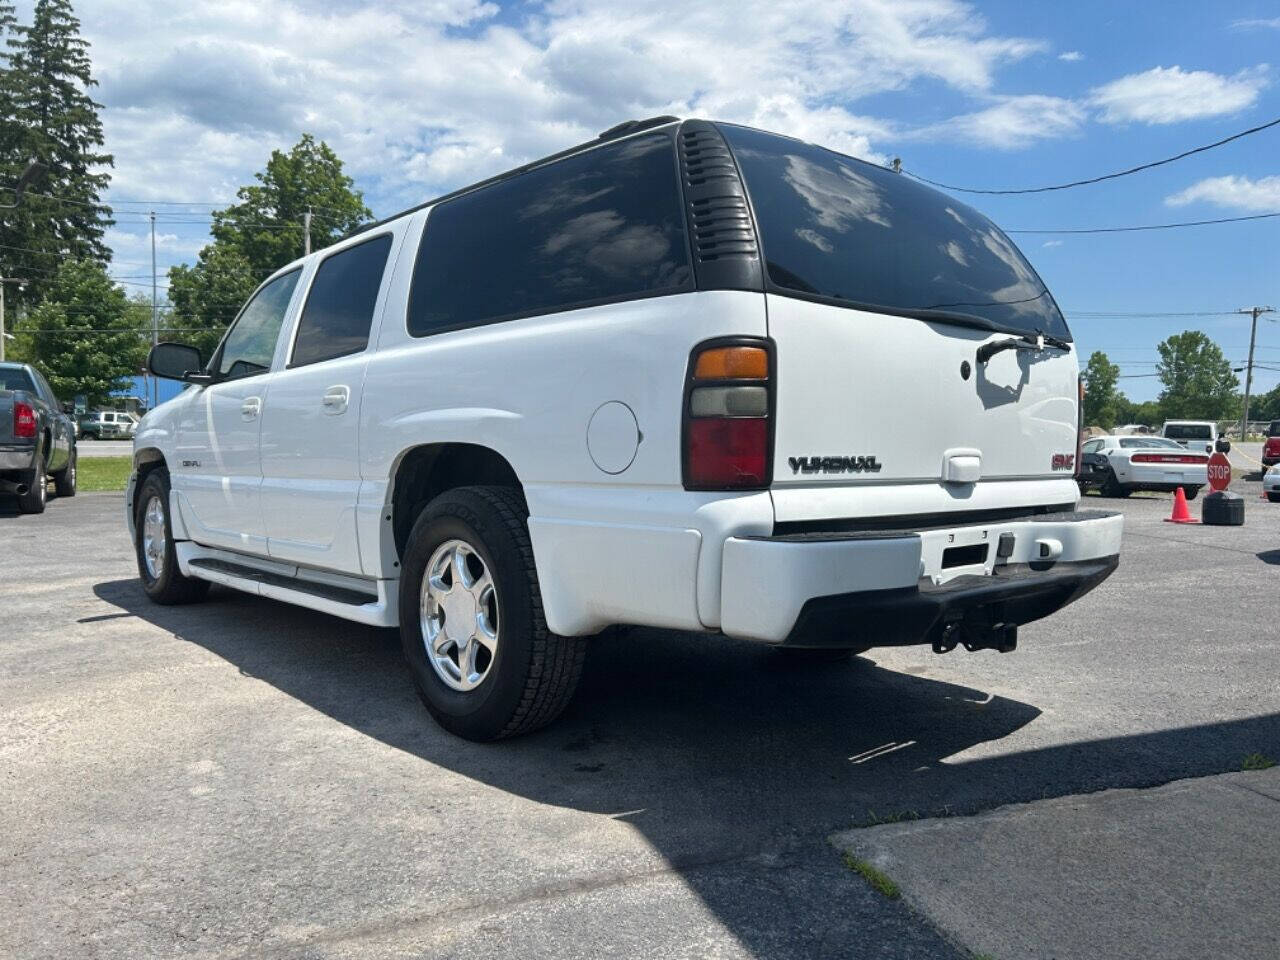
[1219, 471]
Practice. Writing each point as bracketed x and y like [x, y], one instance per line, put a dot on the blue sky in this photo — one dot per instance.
[419, 97]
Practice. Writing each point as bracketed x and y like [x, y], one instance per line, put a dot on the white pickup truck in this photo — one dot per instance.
[688, 375]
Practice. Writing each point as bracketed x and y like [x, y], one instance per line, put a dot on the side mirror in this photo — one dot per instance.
[177, 361]
[1224, 446]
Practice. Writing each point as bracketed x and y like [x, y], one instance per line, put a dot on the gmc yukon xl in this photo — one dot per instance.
[689, 375]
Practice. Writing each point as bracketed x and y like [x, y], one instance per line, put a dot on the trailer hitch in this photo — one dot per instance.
[978, 635]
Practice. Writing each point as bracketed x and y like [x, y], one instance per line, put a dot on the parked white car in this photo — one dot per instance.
[1120, 465]
[1192, 434]
[1271, 483]
[798, 399]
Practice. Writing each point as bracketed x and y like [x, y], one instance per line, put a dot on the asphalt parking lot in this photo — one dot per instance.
[243, 778]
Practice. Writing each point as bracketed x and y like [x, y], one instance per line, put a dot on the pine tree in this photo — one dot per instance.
[53, 119]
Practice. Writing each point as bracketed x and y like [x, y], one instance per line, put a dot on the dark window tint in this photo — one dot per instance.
[339, 311]
[15, 378]
[1188, 431]
[835, 227]
[605, 224]
[251, 342]
[1274, 429]
[1149, 443]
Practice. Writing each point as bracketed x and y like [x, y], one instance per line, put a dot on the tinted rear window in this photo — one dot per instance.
[1274, 429]
[15, 378]
[841, 229]
[1188, 431]
[598, 226]
[339, 311]
[1149, 443]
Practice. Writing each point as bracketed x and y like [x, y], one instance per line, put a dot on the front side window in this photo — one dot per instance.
[339, 311]
[251, 342]
[840, 229]
[599, 226]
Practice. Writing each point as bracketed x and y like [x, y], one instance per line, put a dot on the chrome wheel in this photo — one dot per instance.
[459, 607]
[153, 538]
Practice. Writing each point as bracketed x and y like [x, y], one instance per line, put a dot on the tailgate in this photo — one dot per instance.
[6, 416]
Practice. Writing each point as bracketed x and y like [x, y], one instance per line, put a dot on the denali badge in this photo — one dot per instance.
[834, 464]
[1064, 461]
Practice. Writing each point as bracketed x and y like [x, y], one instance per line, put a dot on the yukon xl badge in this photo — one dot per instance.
[834, 464]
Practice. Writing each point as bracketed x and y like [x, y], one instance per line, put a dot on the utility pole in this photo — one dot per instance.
[155, 317]
[4, 336]
[1248, 375]
[306, 233]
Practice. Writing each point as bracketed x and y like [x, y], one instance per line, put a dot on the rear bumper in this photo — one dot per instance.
[902, 587]
[15, 457]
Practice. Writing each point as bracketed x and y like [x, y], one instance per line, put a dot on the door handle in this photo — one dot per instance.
[335, 400]
[250, 407]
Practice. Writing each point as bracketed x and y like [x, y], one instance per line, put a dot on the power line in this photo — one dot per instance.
[1155, 226]
[1108, 176]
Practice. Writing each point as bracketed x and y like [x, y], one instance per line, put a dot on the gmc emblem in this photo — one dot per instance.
[1064, 461]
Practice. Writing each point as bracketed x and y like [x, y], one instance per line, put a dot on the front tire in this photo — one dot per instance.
[37, 488]
[157, 558]
[471, 620]
[64, 481]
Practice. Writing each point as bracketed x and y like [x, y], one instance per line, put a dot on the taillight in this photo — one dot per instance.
[1167, 458]
[24, 421]
[728, 410]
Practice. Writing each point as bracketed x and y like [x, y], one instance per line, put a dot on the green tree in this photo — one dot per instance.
[1266, 406]
[86, 336]
[1198, 381]
[49, 115]
[1101, 399]
[206, 296]
[260, 234]
[266, 226]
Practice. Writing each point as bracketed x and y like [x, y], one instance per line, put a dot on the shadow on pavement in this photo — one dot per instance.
[715, 750]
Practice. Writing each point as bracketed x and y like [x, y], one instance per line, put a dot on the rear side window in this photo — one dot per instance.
[835, 228]
[600, 226]
[339, 311]
[15, 378]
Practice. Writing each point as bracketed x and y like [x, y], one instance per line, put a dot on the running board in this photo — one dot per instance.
[361, 599]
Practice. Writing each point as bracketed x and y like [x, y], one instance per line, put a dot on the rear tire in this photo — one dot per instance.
[64, 481]
[1111, 487]
[519, 676]
[37, 488]
[153, 545]
[1274, 497]
[1191, 492]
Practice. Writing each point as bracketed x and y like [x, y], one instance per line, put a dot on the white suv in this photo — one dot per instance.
[687, 375]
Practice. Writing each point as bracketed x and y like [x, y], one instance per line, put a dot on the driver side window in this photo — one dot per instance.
[251, 343]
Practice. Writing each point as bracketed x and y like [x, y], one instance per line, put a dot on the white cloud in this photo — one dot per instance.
[1071, 56]
[418, 98]
[1012, 122]
[1052, 243]
[1171, 95]
[1272, 24]
[1235, 193]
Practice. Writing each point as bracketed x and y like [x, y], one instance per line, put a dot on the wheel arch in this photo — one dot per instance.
[424, 472]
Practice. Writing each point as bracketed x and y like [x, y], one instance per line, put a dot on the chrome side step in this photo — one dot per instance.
[361, 599]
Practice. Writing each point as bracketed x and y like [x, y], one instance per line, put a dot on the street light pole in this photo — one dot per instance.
[1248, 374]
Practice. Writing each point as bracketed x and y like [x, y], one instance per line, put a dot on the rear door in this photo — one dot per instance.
[310, 429]
[880, 294]
[218, 473]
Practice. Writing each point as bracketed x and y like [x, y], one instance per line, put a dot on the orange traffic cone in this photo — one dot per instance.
[1180, 512]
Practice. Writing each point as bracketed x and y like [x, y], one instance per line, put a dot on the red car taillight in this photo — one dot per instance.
[728, 411]
[1167, 458]
[24, 421]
